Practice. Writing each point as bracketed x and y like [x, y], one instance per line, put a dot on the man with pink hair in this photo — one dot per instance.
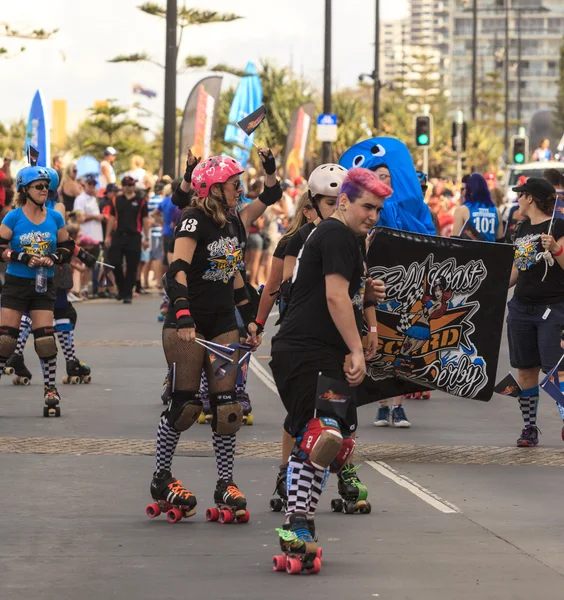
[330, 282]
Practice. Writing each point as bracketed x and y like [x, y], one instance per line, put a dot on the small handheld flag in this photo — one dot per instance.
[333, 396]
[508, 386]
[32, 156]
[551, 386]
[250, 123]
[469, 232]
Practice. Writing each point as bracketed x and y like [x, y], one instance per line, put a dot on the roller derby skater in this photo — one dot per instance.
[330, 283]
[353, 493]
[33, 237]
[16, 366]
[204, 284]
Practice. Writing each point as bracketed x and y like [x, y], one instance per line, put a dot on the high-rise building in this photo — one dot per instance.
[535, 34]
[394, 42]
[430, 26]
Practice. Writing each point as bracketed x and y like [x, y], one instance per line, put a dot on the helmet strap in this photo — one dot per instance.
[41, 206]
[315, 205]
[223, 198]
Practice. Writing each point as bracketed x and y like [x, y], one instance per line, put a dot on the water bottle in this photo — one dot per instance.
[41, 280]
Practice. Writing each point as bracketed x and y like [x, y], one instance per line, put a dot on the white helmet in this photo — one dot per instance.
[327, 180]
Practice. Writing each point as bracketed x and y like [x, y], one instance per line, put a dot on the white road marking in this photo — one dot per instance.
[416, 489]
[263, 375]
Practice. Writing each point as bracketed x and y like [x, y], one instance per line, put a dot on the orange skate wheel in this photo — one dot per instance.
[279, 562]
[153, 510]
[174, 515]
[212, 514]
[293, 565]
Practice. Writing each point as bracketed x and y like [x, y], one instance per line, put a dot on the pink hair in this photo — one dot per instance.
[361, 180]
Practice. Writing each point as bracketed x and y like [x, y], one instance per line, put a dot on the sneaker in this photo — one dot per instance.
[72, 298]
[383, 417]
[399, 418]
[529, 437]
[127, 300]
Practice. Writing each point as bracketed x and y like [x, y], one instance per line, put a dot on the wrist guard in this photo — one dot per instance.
[268, 162]
[271, 195]
[84, 257]
[184, 319]
[247, 314]
[190, 170]
[19, 257]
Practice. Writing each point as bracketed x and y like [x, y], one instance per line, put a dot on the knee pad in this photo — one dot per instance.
[343, 456]
[45, 344]
[65, 318]
[183, 410]
[227, 413]
[320, 442]
[8, 340]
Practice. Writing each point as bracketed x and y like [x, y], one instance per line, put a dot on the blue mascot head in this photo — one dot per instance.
[405, 209]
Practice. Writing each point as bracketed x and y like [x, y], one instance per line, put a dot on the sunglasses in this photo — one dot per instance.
[237, 184]
[40, 186]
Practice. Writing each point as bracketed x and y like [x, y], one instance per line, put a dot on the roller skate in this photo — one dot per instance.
[352, 491]
[77, 372]
[245, 402]
[300, 551]
[16, 366]
[205, 417]
[231, 504]
[52, 399]
[171, 497]
[279, 504]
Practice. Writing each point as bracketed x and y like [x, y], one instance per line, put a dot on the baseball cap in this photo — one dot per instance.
[112, 187]
[90, 179]
[110, 151]
[539, 188]
[128, 180]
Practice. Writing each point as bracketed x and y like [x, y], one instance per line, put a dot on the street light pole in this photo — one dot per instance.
[169, 137]
[376, 75]
[326, 147]
[506, 119]
[474, 57]
[518, 68]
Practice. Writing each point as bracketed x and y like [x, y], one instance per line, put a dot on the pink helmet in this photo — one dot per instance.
[216, 169]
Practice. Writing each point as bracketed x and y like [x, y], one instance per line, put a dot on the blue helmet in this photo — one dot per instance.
[54, 183]
[28, 175]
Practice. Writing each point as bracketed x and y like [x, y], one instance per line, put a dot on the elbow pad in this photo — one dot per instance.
[181, 198]
[173, 289]
[64, 252]
[271, 195]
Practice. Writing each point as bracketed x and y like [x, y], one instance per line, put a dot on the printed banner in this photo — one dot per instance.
[198, 121]
[250, 123]
[297, 140]
[442, 322]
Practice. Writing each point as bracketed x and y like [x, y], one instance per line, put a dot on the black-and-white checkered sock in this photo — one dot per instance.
[167, 439]
[299, 481]
[224, 448]
[49, 368]
[25, 330]
[317, 485]
[205, 391]
[66, 339]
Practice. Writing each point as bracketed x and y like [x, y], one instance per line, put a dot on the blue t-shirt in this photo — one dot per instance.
[40, 240]
[485, 219]
[167, 209]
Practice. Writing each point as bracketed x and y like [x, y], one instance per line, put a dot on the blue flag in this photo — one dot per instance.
[551, 385]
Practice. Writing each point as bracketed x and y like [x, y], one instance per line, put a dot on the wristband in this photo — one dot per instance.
[559, 252]
[373, 329]
[260, 325]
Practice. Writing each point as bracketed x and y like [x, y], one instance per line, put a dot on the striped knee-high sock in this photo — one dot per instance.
[167, 440]
[66, 339]
[528, 402]
[224, 448]
[299, 481]
[25, 330]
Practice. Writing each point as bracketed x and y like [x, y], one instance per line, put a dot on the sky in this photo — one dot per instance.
[73, 65]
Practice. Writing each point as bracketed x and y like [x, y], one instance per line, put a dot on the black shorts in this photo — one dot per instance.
[295, 375]
[19, 294]
[534, 341]
[209, 326]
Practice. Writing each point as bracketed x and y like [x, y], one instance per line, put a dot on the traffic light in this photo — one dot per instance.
[520, 149]
[423, 130]
[459, 132]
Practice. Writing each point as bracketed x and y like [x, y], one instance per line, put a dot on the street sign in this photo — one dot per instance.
[327, 128]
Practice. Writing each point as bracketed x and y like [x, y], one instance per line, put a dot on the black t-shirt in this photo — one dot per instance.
[217, 259]
[129, 213]
[280, 248]
[528, 249]
[296, 242]
[331, 249]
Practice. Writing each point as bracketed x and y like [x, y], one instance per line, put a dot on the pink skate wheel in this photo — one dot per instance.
[244, 518]
[212, 514]
[279, 562]
[225, 516]
[153, 510]
[319, 553]
[293, 565]
[316, 566]
[174, 515]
